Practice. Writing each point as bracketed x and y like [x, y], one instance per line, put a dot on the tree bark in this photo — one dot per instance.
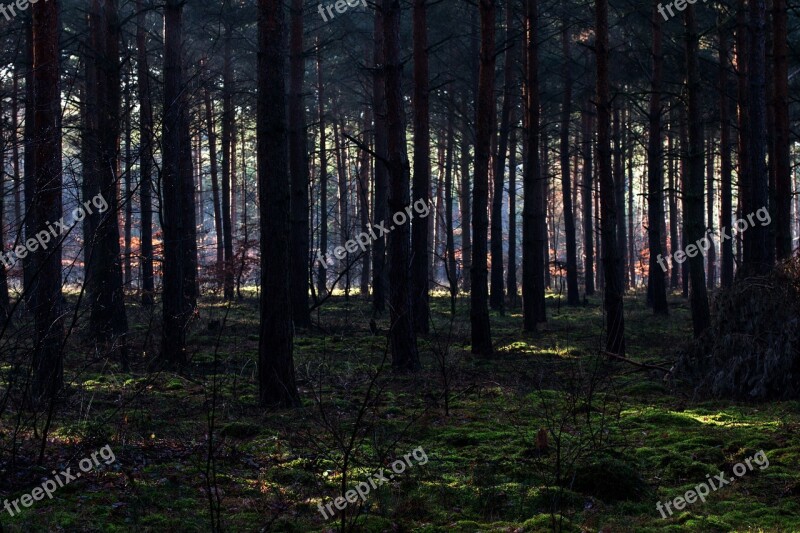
[695, 226]
[228, 155]
[573, 295]
[402, 336]
[781, 139]
[276, 377]
[212, 151]
[452, 274]
[657, 290]
[380, 210]
[4, 301]
[588, 215]
[298, 168]
[48, 363]
[726, 208]
[420, 227]
[615, 318]
[145, 155]
[511, 283]
[479, 310]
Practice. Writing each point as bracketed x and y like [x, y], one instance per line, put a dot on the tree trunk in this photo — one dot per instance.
[29, 164]
[128, 184]
[573, 295]
[674, 271]
[712, 251]
[497, 297]
[479, 310]
[743, 169]
[276, 378]
[179, 278]
[48, 363]
[657, 290]
[4, 301]
[695, 225]
[465, 204]
[588, 215]
[379, 214]
[145, 155]
[298, 169]
[619, 189]
[511, 283]
[615, 318]
[726, 208]
[228, 156]
[420, 247]
[363, 197]
[402, 336]
[452, 274]
[782, 152]
[212, 150]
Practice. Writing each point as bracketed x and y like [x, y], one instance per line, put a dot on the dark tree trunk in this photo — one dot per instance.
[276, 378]
[212, 151]
[511, 283]
[674, 271]
[145, 155]
[29, 163]
[657, 290]
[573, 295]
[726, 208]
[452, 274]
[48, 363]
[615, 318]
[363, 198]
[179, 278]
[298, 168]
[497, 297]
[402, 336]
[15, 153]
[128, 184]
[632, 259]
[619, 189]
[4, 301]
[782, 152]
[479, 309]
[758, 261]
[420, 227]
[533, 213]
[322, 267]
[742, 94]
[465, 204]
[103, 263]
[380, 210]
[695, 226]
[228, 156]
[344, 208]
[588, 216]
[684, 173]
[712, 251]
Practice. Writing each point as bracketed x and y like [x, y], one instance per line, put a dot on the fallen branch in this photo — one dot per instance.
[635, 363]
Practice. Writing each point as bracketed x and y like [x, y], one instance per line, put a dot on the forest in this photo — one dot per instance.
[399, 265]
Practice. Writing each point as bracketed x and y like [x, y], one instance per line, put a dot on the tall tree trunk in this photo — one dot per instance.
[674, 270]
[420, 227]
[15, 153]
[128, 183]
[615, 318]
[276, 377]
[511, 283]
[573, 295]
[29, 164]
[619, 189]
[629, 149]
[103, 263]
[228, 156]
[695, 226]
[657, 290]
[344, 208]
[452, 274]
[4, 301]
[781, 139]
[533, 214]
[298, 169]
[212, 151]
[363, 197]
[497, 297]
[742, 94]
[145, 155]
[179, 279]
[380, 211]
[479, 310]
[712, 250]
[402, 336]
[588, 193]
[726, 208]
[758, 262]
[48, 363]
[465, 203]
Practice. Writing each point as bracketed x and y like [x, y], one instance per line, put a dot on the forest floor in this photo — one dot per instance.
[619, 439]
